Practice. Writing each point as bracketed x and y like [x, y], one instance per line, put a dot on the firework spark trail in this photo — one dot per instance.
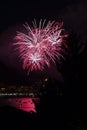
[41, 45]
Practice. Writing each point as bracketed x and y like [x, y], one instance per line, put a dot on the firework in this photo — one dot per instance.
[40, 45]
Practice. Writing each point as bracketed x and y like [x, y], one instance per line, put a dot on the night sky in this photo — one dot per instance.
[13, 14]
[62, 112]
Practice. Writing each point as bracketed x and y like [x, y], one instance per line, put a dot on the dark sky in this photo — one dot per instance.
[72, 12]
[13, 11]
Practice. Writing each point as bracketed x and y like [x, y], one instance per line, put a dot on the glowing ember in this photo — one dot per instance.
[40, 46]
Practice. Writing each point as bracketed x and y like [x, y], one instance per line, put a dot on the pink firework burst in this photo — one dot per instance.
[40, 45]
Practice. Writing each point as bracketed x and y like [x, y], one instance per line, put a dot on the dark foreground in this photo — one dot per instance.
[59, 113]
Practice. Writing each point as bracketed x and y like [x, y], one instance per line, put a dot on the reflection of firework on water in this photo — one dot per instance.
[40, 46]
[25, 104]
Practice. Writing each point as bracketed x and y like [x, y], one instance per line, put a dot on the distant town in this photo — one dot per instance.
[22, 90]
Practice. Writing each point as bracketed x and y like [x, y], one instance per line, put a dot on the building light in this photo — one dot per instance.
[46, 79]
